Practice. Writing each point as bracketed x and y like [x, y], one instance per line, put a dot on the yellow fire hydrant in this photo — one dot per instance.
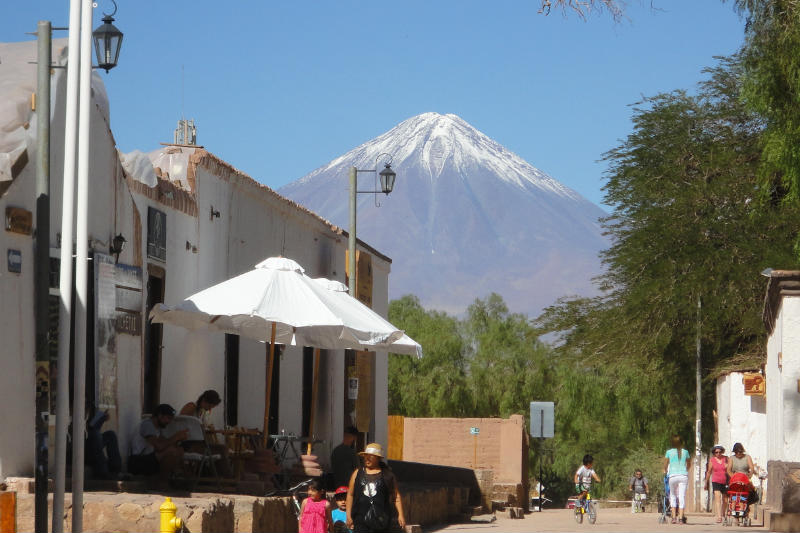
[169, 522]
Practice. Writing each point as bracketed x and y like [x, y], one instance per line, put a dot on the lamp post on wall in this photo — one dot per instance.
[387, 177]
[107, 41]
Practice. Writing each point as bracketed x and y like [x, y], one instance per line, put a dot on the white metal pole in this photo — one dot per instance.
[698, 448]
[81, 267]
[65, 272]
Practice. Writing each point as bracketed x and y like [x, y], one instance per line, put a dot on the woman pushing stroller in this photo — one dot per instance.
[741, 493]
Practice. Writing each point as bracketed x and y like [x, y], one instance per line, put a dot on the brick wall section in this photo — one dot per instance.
[500, 446]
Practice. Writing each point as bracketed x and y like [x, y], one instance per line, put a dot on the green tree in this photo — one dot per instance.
[771, 58]
[436, 384]
[684, 226]
[508, 366]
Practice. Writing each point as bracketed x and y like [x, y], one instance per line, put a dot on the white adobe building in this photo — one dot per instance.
[782, 321]
[190, 220]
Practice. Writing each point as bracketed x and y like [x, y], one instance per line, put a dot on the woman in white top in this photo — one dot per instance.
[676, 465]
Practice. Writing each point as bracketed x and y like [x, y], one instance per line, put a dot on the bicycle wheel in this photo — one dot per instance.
[592, 512]
[578, 513]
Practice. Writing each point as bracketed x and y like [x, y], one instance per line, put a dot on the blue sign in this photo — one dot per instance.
[14, 261]
[474, 431]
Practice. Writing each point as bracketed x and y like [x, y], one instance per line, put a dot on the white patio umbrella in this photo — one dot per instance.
[361, 317]
[274, 302]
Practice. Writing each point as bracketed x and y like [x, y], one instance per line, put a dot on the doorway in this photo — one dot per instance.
[153, 335]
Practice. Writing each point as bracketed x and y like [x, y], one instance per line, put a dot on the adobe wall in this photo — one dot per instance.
[501, 447]
[447, 441]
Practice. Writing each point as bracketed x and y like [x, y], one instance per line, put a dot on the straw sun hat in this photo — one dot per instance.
[373, 449]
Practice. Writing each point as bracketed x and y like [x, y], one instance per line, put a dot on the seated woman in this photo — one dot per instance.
[202, 409]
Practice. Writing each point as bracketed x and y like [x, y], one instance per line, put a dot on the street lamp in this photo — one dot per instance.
[107, 42]
[387, 177]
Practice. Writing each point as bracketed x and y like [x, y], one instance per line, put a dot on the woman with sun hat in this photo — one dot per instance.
[372, 493]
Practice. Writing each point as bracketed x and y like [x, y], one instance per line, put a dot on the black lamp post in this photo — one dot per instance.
[387, 176]
[107, 42]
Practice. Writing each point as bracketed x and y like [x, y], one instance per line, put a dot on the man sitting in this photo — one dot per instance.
[152, 452]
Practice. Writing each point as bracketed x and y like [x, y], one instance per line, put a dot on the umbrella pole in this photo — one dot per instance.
[314, 388]
[268, 388]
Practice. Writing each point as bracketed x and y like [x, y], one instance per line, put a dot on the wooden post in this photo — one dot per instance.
[8, 512]
[313, 407]
[268, 387]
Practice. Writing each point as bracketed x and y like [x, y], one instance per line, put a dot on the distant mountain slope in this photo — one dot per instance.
[466, 218]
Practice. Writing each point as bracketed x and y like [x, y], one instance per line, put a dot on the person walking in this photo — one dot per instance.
[676, 466]
[716, 475]
[372, 494]
[639, 487]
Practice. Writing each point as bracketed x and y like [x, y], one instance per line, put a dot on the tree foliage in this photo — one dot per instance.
[616, 8]
[488, 364]
[771, 58]
[685, 227]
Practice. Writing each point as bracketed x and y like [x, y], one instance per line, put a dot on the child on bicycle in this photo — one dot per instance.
[315, 513]
[584, 477]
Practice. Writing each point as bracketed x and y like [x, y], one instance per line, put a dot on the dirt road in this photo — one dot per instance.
[608, 521]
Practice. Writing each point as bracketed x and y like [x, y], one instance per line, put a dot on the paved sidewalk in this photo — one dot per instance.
[608, 521]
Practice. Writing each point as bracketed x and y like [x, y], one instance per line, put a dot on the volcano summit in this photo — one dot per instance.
[467, 217]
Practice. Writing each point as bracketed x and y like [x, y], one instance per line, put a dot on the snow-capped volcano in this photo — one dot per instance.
[467, 217]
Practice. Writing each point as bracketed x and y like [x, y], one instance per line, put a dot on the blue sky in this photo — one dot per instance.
[278, 89]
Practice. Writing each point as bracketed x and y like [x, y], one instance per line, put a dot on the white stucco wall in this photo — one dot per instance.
[741, 418]
[17, 346]
[789, 373]
[110, 211]
[774, 400]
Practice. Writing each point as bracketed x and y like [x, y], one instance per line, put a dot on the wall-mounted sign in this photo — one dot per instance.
[754, 384]
[19, 220]
[156, 234]
[130, 323]
[14, 261]
[474, 431]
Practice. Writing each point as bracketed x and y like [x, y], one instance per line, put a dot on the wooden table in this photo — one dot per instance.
[243, 442]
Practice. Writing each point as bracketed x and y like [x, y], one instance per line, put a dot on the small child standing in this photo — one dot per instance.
[339, 515]
[315, 512]
[584, 476]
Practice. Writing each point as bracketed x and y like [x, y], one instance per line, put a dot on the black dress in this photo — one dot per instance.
[379, 489]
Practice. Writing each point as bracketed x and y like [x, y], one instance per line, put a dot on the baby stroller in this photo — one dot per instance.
[739, 489]
[663, 505]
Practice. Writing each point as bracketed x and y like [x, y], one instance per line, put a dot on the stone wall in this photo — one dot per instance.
[783, 493]
[424, 504]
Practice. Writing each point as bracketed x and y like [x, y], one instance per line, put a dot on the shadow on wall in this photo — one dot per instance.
[409, 473]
